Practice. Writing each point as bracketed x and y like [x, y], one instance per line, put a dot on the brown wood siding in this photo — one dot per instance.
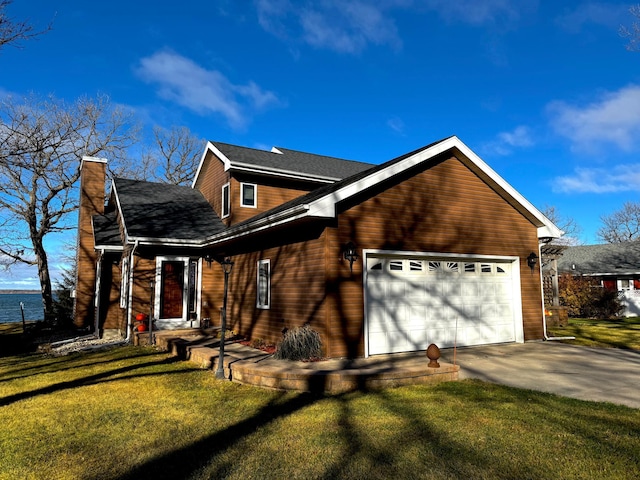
[212, 178]
[91, 203]
[297, 290]
[447, 209]
[270, 193]
[144, 271]
[212, 290]
[111, 315]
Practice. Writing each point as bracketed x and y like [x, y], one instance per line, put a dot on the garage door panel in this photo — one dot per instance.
[411, 303]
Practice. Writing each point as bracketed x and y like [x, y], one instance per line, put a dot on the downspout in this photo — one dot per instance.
[544, 317]
[130, 292]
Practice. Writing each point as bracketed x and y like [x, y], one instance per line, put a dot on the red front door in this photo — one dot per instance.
[172, 289]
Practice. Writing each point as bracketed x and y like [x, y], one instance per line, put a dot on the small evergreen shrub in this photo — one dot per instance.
[299, 343]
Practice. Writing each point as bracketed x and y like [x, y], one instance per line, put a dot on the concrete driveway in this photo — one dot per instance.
[598, 374]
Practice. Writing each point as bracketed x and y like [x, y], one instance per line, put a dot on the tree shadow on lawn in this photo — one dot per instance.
[55, 365]
[186, 461]
[91, 380]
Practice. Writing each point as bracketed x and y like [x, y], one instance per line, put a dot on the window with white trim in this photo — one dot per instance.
[124, 286]
[264, 284]
[248, 193]
[226, 201]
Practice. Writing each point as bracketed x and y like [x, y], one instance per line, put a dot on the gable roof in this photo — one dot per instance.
[321, 203]
[605, 259]
[158, 212]
[282, 162]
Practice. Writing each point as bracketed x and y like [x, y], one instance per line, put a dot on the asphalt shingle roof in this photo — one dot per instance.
[165, 211]
[106, 232]
[293, 161]
[614, 258]
[333, 187]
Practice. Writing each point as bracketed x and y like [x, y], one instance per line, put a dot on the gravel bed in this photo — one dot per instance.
[81, 344]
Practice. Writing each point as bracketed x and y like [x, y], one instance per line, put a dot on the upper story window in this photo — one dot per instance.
[248, 195]
[226, 202]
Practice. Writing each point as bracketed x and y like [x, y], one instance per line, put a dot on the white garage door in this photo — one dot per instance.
[412, 302]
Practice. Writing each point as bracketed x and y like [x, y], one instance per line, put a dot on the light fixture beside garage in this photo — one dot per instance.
[532, 260]
[350, 254]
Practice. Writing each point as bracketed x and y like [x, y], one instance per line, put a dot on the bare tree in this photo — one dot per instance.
[173, 158]
[570, 228]
[41, 145]
[13, 31]
[622, 225]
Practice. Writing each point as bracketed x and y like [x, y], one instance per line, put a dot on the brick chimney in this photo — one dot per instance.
[92, 190]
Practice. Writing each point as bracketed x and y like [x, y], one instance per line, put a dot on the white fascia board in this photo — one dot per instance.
[546, 228]
[213, 149]
[164, 242]
[114, 190]
[325, 206]
[108, 248]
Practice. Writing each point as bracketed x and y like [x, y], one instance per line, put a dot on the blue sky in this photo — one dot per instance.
[544, 91]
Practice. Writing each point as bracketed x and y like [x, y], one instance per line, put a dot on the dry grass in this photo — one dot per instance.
[135, 413]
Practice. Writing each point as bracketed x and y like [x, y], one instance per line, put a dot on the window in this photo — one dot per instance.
[193, 273]
[124, 286]
[264, 284]
[225, 200]
[395, 265]
[248, 195]
[469, 267]
[415, 266]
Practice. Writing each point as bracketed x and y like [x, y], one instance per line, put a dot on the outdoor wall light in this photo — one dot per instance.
[350, 253]
[209, 259]
[532, 260]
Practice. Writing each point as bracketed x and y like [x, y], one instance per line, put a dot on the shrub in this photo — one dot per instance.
[299, 343]
[585, 297]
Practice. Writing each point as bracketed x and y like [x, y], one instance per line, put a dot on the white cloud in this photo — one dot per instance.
[506, 142]
[619, 178]
[594, 13]
[481, 12]
[397, 125]
[181, 80]
[351, 26]
[345, 27]
[613, 119]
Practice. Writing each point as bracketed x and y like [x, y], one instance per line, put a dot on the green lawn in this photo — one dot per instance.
[618, 333]
[135, 413]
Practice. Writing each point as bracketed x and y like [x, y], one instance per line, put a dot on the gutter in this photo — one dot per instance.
[130, 293]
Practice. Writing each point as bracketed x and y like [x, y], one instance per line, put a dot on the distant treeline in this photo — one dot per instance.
[7, 292]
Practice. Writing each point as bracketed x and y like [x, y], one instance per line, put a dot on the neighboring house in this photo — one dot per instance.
[615, 265]
[443, 249]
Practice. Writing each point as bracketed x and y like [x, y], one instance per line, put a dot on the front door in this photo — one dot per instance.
[172, 289]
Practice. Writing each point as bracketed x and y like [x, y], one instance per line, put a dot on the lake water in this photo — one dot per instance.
[10, 307]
